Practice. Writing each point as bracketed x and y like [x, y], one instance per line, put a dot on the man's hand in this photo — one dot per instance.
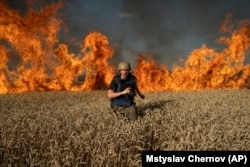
[142, 96]
[126, 91]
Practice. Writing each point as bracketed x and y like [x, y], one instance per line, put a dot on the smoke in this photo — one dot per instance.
[168, 29]
[19, 5]
[172, 29]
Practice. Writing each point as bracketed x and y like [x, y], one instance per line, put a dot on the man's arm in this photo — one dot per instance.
[112, 94]
[139, 92]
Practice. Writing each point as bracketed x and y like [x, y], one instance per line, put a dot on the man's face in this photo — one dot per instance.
[124, 73]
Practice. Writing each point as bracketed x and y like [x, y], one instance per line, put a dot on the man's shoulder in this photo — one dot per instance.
[116, 78]
[133, 77]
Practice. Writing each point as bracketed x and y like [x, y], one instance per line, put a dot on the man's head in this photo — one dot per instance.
[124, 68]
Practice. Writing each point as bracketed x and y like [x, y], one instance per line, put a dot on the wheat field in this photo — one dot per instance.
[79, 129]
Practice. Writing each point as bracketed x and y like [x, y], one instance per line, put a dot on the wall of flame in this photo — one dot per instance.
[33, 59]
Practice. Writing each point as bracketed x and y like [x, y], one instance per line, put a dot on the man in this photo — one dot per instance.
[122, 90]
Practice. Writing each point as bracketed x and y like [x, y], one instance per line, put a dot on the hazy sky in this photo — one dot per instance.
[169, 29]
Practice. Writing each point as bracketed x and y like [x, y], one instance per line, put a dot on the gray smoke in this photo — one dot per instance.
[168, 29]
[172, 29]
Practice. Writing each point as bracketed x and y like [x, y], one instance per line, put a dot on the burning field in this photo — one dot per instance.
[49, 118]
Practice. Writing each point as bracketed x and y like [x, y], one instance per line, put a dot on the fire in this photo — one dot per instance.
[32, 59]
[205, 68]
[43, 64]
[98, 71]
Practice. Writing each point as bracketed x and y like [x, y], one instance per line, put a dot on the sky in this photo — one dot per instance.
[167, 29]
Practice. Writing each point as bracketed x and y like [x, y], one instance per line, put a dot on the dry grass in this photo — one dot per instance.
[78, 128]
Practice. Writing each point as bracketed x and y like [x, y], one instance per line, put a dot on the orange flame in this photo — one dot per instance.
[33, 60]
[43, 65]
[205, 68]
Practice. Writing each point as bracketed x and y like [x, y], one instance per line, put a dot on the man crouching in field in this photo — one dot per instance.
[122, 90]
